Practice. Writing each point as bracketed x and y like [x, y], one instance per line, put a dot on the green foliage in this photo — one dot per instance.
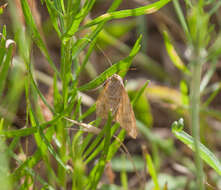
[151, 170]
[126, 13]
[201, 47]
[123, 164]
[141, 106]
[4, 163]
[121, 67]
[79, 156]
[205, 153]
[173, 55]
[5, 58]
[70, 154]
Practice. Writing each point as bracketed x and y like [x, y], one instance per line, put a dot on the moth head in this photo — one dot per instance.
[117, 78]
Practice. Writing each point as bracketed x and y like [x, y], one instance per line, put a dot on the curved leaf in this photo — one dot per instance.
[122, 66]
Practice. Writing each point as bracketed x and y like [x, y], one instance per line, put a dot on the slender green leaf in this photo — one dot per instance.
[152, 171]
[28, 131]
[97, 171]
[54, 13]
[208, 75]
[83, 42]
[173, 54]
[1, 124]
[181, 17]
[47, 143]
[2, 44]
[4, 166]
[74, 26]
[36, 35]
[88, 112]
[116, 144]
[114, 5]
[122, 66]
[212, 96]
[148, 9]
[139, 93]
[30, 171]
[5, 67]
[99, 148]
[30, 162]
[204, 152]
[144, 61]
[124, 179]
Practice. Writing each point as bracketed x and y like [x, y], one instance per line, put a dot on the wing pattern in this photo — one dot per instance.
[114, 98]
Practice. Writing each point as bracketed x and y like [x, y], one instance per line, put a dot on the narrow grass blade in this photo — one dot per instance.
[73, 7]
[57, 96]
[86, 142]
[151, 169]
[3, 35]
[208, 75]
[54, 13]
[184, 93]
[36, 35]
[5, 67]
[99, 148]
[214, 51]
[5, 180]
[30, 162]
[116, 144]
[39, 92]
[114, 5]
[124, 179]
[79, 177]
[139, 93]
[97, 171]
[88, 112]
[47, 143]
[83, 42]
[212, 96]
[122, 66]
[28, 131]
[144, 61]
[148, 9]
[181, 17]
[178, 63]
[204, 152]
[30, 171]
[74, 26]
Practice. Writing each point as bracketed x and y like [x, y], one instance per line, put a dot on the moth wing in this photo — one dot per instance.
[110, 97]
[102, 106]
[125, 115]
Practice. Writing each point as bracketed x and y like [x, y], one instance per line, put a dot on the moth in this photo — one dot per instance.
[114, 98]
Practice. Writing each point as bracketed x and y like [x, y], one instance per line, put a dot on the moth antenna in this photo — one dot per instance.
[105, 55]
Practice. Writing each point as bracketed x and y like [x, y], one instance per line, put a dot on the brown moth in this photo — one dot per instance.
[114, 98]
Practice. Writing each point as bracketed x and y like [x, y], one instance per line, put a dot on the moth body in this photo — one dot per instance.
[114, 98]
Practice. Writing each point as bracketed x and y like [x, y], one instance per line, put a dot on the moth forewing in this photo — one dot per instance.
[101, 107]
[125, 115]
[114, 98]
[110, 97]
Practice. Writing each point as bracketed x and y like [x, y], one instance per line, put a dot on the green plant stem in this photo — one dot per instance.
[194, 111]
